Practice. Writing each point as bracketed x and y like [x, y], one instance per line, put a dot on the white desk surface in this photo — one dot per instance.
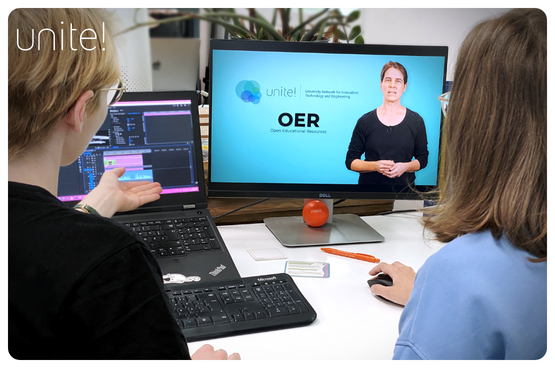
[352, 323]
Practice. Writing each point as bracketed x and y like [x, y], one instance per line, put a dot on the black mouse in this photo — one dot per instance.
[381, 279]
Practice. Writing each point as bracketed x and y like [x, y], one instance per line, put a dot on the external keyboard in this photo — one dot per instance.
[247, 305]
[177, 236]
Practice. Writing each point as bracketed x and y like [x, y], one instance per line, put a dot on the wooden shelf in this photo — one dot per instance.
[279, 207]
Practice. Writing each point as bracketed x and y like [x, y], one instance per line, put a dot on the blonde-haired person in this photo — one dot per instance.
[80, 286]
[484, 295]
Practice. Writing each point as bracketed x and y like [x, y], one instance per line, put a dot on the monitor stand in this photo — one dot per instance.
[340, 229]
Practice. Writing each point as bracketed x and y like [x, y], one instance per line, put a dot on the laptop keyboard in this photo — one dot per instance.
[233, 307]
[177, 236]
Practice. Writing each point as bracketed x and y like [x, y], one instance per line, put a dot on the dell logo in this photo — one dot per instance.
[324, 195]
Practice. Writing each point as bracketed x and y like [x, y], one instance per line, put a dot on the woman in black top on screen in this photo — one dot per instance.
[392, 137]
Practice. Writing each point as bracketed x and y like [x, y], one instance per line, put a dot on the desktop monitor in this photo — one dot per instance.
[286, 120]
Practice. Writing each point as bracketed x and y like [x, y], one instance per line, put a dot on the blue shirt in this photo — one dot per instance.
[477, 298]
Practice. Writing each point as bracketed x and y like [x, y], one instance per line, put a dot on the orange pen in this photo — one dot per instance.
[361, 256]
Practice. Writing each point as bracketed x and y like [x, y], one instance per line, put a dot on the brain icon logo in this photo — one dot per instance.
[248, 91]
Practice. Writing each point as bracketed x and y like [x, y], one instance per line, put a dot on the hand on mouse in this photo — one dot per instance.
[403, 281]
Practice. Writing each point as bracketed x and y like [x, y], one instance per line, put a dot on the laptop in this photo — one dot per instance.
[156, 136]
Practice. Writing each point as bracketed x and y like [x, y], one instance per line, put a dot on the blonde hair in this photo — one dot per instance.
[495, 135]
[44, 84]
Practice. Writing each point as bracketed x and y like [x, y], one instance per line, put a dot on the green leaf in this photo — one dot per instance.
[311, 32]
[340, 34]
[274, 15]
[231, 28]
[235, 20]
[267, 26]
[359, 40]
[295, 36]
[261, 34]
[310, 19]
[354, 32]
[324, 21]
[258, 27]
[287, 19]
[355, 14]
[321, 31]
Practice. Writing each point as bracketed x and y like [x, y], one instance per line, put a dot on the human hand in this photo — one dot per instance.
[384, 166]
[111, 195]
[396, 170]
[403, 281]
[206, 352]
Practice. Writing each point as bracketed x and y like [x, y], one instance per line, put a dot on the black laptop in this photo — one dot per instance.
[156, 137]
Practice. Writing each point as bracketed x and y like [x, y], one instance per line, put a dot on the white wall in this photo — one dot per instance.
[133, 48]
[434, 27]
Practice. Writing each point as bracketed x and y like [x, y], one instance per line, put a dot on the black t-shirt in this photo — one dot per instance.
[81, 286]
[399, 143]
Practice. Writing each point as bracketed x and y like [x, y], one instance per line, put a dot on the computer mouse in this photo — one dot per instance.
[384, 280]
[381, 279]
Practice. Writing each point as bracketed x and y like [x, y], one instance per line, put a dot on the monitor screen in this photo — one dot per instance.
[152, 135]
[287, 119]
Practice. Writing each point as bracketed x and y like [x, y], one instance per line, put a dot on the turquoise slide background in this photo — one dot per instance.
[250, 146]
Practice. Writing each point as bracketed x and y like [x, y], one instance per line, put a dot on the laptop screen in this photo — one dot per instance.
[155, 136]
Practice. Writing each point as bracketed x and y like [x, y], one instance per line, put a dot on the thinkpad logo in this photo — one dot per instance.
[216, 271]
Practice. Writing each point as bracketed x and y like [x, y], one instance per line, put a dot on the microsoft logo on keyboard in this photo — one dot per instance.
[267, 278]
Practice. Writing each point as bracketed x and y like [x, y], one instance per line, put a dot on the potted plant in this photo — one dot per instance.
[328, 25]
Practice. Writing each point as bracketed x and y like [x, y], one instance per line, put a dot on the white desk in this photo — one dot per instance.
[352, 323]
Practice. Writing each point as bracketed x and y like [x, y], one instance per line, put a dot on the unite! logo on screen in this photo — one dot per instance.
[248, 91]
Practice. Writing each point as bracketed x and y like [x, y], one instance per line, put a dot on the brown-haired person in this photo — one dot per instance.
[484, 294]
[80, 286]
[392, 137]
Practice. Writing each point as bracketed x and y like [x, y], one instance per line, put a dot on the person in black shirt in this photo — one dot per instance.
[391, 137]
[80, 285]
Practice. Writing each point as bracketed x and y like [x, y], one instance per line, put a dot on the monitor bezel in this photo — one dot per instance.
[327, 191]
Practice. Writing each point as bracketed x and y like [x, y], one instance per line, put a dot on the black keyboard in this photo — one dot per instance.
[247, 305]
[177, 236]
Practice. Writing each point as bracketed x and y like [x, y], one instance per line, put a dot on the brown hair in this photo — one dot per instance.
[495, 135]
[396, 65]
[44, 84]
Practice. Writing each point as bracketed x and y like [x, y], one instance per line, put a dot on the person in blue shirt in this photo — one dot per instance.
[484, 294]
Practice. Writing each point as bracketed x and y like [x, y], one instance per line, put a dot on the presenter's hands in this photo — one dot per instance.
[396, 170]
[403, 281]
[111, 195]
[384, 166]
[207, 352]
